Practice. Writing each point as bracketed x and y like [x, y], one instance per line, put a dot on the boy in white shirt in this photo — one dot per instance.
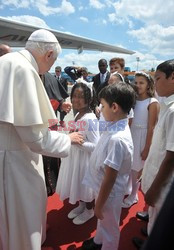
[110, 165]
[158, 172]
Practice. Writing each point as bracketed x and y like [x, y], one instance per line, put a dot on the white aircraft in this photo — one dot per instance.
[15, 34]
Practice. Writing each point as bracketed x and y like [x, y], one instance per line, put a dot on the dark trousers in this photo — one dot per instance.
[62, 115]
[51, 171]
[162, 234]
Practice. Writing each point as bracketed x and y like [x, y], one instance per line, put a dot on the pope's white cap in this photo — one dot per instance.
[42, 35]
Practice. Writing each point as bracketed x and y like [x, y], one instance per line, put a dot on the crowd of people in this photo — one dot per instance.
[121, 140]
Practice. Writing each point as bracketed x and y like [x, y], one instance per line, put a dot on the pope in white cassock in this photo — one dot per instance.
[25, 113]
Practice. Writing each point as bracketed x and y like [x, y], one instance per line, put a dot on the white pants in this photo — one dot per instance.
[108, 232]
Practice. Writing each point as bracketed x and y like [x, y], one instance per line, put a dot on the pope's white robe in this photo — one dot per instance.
[25, 111]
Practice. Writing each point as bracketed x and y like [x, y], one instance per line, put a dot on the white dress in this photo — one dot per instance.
[24, 136]
[139, 130]
[73, 167]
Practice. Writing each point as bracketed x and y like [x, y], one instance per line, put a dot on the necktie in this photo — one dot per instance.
[103, 78]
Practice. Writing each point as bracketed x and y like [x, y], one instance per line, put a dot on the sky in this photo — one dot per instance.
[146, 27]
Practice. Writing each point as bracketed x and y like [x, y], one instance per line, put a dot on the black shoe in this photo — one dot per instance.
[91, 245]
[144, 231]
[138, 242]
[143, 216]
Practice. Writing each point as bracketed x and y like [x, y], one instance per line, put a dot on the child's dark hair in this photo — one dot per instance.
[86, 92]
[120, 93]
[150, 82]
[166, 67]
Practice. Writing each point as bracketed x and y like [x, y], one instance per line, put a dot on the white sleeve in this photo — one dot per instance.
[91, 135]
[116, 153]
[131, 114]
[152, 100]
[169, 121]
[43, 141]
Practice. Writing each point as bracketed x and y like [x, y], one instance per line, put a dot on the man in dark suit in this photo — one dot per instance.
[62, 82]
[100, 80]
[60, 79]
[102, 77]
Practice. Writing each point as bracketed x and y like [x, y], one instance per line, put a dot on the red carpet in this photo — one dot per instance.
[63, 234]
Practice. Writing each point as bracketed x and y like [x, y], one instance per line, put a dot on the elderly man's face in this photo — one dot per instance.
[46, 62]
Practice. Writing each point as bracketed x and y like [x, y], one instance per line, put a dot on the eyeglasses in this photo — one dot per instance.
[57, 70]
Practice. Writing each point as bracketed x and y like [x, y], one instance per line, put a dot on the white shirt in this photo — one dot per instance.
[163, 139]
[114, 149]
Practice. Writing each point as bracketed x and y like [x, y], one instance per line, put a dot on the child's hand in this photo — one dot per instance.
[144, 154]
[98, 213]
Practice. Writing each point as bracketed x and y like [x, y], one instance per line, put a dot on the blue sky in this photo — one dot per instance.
[145, 27]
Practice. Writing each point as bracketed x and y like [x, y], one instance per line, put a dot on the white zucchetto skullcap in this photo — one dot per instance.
[42, 35]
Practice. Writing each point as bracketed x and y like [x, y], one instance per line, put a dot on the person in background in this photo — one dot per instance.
[77, 73]
[4, 49]
[110, 165]
[24, 135]
[145, 118]
[117, 64]
[102, 77]
[115, 77]
[62, 82]
[100, 80]
[60, 79]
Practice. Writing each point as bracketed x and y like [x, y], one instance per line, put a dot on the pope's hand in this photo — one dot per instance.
[76, 138]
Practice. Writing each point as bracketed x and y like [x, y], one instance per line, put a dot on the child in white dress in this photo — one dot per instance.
[72, 170]
[145, 118]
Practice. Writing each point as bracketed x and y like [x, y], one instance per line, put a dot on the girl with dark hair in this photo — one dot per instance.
[73, 167]
[145, 118]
